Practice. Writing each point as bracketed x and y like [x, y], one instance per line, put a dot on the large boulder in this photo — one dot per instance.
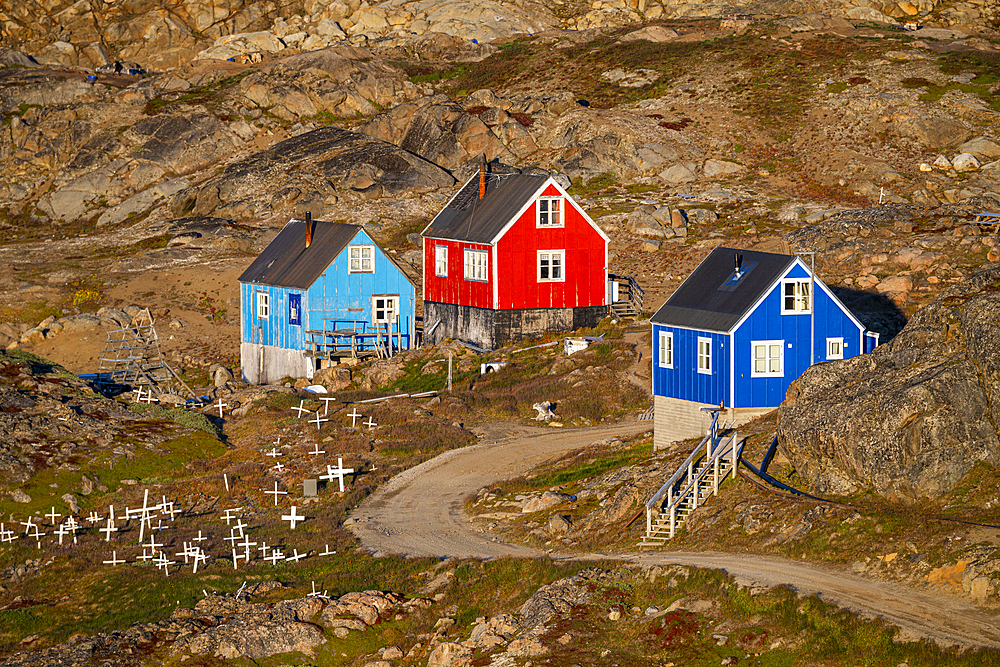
[439, 131]
[932, 132]
[911, 419]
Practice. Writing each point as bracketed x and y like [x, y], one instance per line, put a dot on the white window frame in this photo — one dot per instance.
[801, 298]
[391, 305]
[704, 355]
[837, 343]
[263, 305]
[441, 261]
[477, 264]
[768, 347]
[549, 258]
[361, 259]
[552, 215]
[665, 348]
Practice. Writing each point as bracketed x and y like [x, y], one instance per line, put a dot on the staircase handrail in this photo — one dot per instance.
[684, 467]
[719, 453]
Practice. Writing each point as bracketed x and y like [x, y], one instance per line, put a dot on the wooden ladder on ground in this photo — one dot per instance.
[696, 480]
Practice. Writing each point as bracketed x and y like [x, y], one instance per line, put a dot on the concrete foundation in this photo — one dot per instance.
[491, 329]
[266, 364]
[675, 419]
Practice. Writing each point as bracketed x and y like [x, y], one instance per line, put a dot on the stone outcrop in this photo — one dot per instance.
[911, 419]
[308, 169]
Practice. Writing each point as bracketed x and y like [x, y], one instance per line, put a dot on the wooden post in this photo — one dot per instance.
[715, 476]
[649, 522]
[673, 520]
[734, 454]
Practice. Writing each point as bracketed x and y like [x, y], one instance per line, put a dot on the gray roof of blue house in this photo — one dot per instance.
[287, 262]
[713, 298]
[469, 218]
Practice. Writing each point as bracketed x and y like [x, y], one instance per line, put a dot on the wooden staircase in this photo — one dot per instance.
[697, 480]
[630, 296]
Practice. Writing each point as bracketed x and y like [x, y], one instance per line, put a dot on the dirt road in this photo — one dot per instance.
[420, 512]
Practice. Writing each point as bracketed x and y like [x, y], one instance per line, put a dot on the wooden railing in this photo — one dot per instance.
[632, 291]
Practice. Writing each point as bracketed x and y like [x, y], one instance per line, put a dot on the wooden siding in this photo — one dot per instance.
[585, 282]
[275, 329]
[454, 288]
[767, 323]
[683, 381]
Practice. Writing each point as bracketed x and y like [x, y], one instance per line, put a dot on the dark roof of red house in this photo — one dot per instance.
[469, 218]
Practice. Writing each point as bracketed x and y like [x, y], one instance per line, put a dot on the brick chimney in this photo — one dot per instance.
[482, 179]
[309, 228]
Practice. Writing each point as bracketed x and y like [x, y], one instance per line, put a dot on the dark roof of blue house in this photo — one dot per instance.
[469, 218]
[287, 262]
[714, 298]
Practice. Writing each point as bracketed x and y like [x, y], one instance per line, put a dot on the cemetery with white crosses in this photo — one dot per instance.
[141, 535]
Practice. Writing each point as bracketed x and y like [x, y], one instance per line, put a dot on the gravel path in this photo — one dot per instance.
[420, 513]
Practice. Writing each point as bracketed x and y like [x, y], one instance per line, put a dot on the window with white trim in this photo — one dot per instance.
[476, 262]
[361, 259]
[834, 348]
[551, 266]
[705, 355]
[385, 309]
[796, 296]
[666, 349]
[768, 358]
[550, 212]
[441, 261]
[263, 305]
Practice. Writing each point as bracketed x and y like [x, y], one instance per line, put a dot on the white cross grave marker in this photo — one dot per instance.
[61, 532]
[233, 537]
[145, 556]
[94, 518]
[301, 409]
[220, 405]
[275, 556]
[370, 423]
[274, 453]
[236, 558]
[326, 403]
[337, 473]
[240, 526]
[108, 529]
[293, 518]
[319, 420]
[316, 450]
[354, 415]
[6, 535]
[53, 515]
[200, 538]
[199, 556]
[114, 560]
[185, 552]
[246, 544]
[278, 466]
[327, 551]
[163, 564]
[37, 536]
[296, 556]
[276, 493]
[28, 525]
[229, 516]
[152, 546]
[138, 393]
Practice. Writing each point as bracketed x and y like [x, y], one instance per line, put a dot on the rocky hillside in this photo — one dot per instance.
[911, 419]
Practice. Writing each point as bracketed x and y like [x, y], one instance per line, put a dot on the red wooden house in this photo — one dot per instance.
[512, 256]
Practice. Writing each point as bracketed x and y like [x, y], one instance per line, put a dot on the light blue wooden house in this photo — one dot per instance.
[736, 333]
[319, 292]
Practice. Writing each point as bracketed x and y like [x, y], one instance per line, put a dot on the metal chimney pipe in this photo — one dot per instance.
[482, 179]
[309, 228]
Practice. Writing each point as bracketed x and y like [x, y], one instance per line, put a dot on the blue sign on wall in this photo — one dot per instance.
[295, 309]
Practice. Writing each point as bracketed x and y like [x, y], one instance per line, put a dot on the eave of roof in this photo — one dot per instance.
[709, 300]
[467, 217]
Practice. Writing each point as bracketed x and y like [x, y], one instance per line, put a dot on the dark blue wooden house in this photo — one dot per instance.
[737, 332]
[319, 292]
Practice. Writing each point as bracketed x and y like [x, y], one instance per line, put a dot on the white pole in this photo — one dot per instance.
[449, 372]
